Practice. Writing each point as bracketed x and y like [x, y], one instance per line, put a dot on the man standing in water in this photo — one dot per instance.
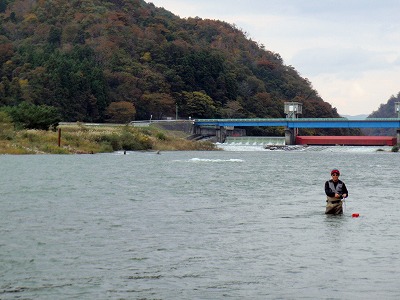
[335, 191]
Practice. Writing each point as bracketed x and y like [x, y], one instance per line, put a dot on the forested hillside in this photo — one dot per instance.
[384, 111]
[120, 60]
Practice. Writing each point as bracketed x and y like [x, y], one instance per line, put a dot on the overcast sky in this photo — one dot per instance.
[348, 49]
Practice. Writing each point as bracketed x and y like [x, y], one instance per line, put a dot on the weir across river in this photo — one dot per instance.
[221, 127]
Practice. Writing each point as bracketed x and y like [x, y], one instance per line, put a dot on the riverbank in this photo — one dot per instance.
[83, 139]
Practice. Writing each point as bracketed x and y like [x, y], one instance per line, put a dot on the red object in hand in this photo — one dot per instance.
[355, 215]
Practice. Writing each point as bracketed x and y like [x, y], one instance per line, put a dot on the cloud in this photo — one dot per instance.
[344, 62]
[361, 95]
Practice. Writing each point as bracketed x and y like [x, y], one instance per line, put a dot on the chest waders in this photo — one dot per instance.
[334, 206]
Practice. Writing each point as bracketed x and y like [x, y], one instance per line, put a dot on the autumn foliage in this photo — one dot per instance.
[109, 61]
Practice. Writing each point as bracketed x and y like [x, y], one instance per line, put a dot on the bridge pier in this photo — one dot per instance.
[196, 129]
[398, 136]
[290, 138]
[220, 133]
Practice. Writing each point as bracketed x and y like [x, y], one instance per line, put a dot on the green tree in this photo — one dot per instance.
[199, 105]
[77, 84]
[30, 116]
[54, 36]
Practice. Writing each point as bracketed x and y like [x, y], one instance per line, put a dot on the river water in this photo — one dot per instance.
[243, 223]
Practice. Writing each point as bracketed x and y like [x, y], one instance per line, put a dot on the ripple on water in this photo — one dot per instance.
[190, 225]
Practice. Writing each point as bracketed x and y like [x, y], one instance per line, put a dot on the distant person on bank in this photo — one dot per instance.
[335, 191]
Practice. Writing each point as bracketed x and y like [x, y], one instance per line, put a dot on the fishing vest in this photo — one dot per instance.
[338, 189]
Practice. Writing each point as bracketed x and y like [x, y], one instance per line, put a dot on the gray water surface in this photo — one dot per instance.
[198, 225]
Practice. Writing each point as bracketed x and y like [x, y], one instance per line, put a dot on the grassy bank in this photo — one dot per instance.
[79, 138]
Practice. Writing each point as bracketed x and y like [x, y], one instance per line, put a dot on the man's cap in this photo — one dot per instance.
[335, 171]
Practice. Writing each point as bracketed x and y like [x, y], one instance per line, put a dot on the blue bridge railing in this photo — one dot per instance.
[302, 123]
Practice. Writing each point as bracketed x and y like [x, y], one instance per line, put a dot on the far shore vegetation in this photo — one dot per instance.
[30, 129]
[83, 139]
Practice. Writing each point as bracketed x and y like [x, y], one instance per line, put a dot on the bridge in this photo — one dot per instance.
[303, 123]
[291, 124]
